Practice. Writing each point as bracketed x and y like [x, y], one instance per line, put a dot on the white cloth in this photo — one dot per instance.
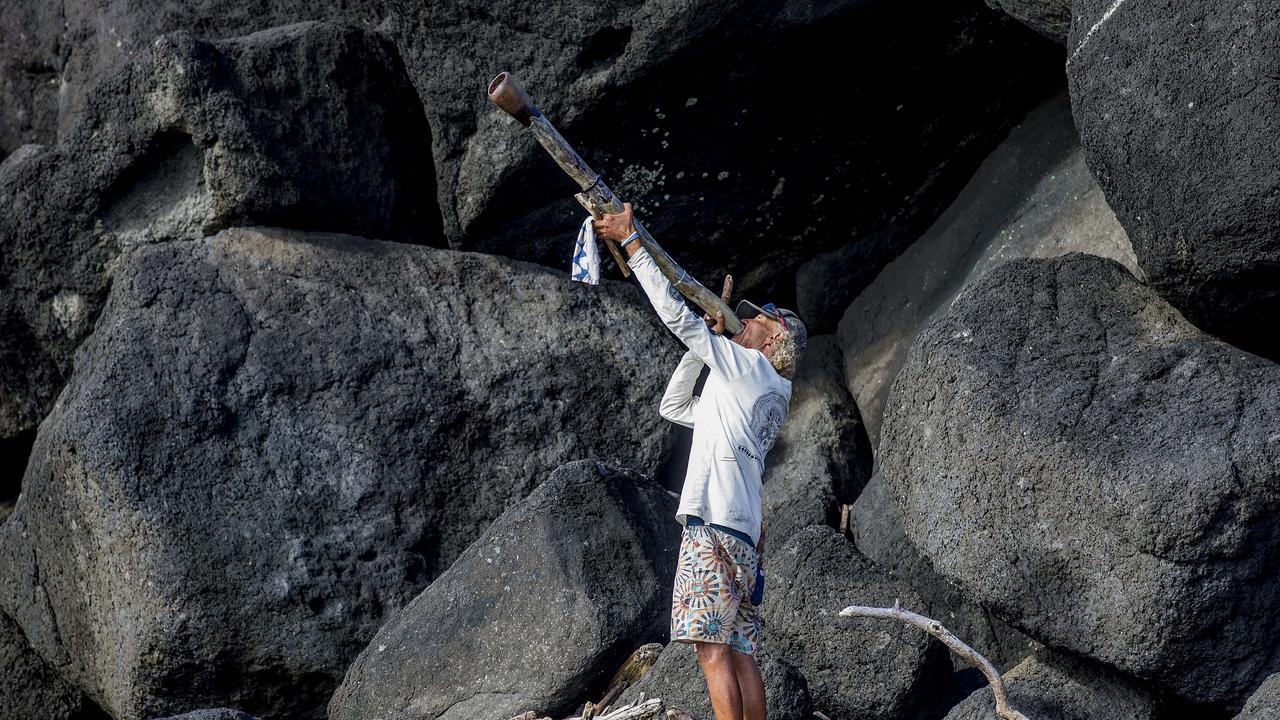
[586, 256]
[736, 419]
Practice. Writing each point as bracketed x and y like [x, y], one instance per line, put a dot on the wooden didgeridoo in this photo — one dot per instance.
[596, 197]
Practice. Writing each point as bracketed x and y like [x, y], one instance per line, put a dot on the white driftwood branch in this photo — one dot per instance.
[935, 628]
[638, 711]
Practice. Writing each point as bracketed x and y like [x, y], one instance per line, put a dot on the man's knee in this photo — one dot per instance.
[713, 652]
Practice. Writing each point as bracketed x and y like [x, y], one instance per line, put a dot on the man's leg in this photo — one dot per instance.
[722, 679]
[750, 684]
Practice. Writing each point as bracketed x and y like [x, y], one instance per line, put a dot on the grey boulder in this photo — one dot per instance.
[1176, 105]
[1264, 703]
[1081, 460]
[275, 439]
[538, 611]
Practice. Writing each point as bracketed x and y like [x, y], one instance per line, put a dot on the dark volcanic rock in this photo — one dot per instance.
[29, 687]
[273, 439]
[536, 614]
[1032, 197]
[856, 668]
[821, 459]
[1051, 18]
[876, 524]
[679, 681]
[1264, 704]
[1049, 686]
[212, 714]
[1176, 105]
[1087, 464]
[310, 126]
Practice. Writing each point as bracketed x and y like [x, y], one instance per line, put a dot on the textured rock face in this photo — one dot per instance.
[1264, 704]
[309, 126]
[1176, 105]
[274, 439]
[679, 681]
[212, 714]
[538, 612]
[858, 669]
[821, 460]
[1051, 18]
[29, 687]
[1083, 461]
[1048, 686]
[1032, 197]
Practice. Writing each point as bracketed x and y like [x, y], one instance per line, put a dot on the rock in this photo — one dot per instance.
[856, 668]
[1081, 460]
[1050, 18]
[679, 681]
[593, 549]
[212, 714]
[876, 525]
[29, 688]
[274, 439]
[1264, 704]
[821, 459]
[1048, 686]
[1176, 105]
[1032, 197]
[311, 125]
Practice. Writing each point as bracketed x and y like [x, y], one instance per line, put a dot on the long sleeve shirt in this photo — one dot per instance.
[736, 419]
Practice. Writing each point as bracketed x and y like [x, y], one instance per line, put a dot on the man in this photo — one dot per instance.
[735, 422]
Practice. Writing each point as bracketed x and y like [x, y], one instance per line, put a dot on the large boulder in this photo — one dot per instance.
[1264, 703]
[311, 126]
[1032, 197]
[679, 681]
[856, 669]
[821, 459]
[536, 614]
[1080, 459]
[1049, 686]
[1176, 105]
[274, 439]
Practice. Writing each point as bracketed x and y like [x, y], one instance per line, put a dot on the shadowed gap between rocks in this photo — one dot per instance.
[14, 453]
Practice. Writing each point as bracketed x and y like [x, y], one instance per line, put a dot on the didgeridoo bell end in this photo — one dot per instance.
[507, 94]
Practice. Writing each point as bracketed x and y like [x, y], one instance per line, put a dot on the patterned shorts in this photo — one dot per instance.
[711, 599]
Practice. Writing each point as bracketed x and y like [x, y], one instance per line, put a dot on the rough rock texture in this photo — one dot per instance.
[876, 524]
[856, 669]
[1264, 704]
[274, 438]
[1049, 686]
[821, 459]
[1176, 105]
[1051, 18]
[679, 681]
[1095, 470]
[29, 688]
[310, 126]
[212, 714]
[536, 614]
[1032, 197]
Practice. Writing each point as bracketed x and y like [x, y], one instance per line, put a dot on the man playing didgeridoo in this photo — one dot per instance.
[735, 421]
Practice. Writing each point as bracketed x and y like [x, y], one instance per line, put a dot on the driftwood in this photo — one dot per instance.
[640, 662]
[507, 94]
[1003, 710]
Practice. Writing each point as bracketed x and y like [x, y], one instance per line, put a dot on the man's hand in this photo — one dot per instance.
[616, 227]
[717, 324]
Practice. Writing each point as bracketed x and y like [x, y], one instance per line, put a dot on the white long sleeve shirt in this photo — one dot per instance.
[736, 419]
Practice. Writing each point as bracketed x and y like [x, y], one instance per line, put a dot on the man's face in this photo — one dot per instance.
[756, 330]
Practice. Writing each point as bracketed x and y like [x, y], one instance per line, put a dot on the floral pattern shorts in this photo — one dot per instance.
[711, 599]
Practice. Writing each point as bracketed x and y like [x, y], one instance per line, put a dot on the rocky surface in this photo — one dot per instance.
[1051, 18]
[856, 668]
[274, 439]
[1079, 458]
[1176, 105]
[1264, 704]
[1032, 197]
[821, 459]
[212, 714]
[309, 126]
[592, 550]
[679, 681]
[29, 687]
[1048, 686]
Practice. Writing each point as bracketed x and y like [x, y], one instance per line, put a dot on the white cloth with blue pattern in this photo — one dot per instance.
[586, 256]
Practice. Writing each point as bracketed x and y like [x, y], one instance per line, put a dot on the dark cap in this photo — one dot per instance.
[747, 310]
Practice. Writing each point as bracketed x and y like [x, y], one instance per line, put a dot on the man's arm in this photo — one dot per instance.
[679, 402]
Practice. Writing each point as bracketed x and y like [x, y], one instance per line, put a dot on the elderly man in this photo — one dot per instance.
[735, 421]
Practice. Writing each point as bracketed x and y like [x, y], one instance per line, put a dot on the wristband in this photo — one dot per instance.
[633, 236]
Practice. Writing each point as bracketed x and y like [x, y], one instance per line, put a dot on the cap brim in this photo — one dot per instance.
[747, 310]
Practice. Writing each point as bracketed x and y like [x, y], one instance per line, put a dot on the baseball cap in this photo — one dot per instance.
[747, 310]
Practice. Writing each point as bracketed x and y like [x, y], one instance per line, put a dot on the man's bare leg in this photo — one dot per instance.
[722, 679]
[750, 684]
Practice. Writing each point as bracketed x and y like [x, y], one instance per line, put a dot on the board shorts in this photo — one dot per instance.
[711, 597]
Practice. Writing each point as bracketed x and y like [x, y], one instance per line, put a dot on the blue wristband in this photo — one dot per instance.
[633, 236]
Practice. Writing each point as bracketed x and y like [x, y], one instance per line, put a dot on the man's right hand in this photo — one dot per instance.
[716, 324]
